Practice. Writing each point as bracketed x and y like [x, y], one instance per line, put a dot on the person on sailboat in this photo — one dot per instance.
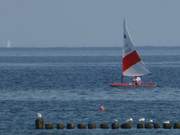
[134, 80]
[137, 80]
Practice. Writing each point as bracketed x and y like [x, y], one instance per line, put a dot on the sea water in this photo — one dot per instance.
[69, 84]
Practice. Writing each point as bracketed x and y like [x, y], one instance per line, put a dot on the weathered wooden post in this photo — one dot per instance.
[141, 123]
[127, 124]
[177, 125]
[39, 122]
[70, 125]
[60, 125]
[91, 125]
[115, 124]
[81, 126]
[149, 124]
[49, 126]
[104, 125]
[157, 125]
[167, 124]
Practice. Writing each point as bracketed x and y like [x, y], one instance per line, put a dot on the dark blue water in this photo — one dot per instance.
[68, 84]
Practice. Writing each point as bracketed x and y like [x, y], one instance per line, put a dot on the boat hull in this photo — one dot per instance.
[131, 85]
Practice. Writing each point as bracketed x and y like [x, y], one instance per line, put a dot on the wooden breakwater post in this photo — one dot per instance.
[141, 123]
[156, 125]
[91, 125]
[127, 124]
[70, 125]
[104, 125]
[60, 125]
[81, 126]
[115, 124]
[49, 125]
[39, 122]
[167, 124]
[149, 124]
[176, 125]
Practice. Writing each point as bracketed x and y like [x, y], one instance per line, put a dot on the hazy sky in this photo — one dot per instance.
[43, 23]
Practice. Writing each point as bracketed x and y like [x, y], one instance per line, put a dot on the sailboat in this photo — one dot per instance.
[132, 64]
[8, 44]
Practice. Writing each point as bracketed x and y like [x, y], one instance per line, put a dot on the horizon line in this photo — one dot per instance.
[153, 46]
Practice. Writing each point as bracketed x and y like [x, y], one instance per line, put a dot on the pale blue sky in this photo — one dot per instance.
[50, 23]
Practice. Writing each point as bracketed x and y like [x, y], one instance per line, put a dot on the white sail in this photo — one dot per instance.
[8, 44]
[132, 64]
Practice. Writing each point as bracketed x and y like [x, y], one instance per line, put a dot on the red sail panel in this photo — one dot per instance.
[130, 60]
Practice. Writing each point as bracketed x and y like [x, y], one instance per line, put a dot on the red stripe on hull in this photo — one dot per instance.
[130, 85]
[130, 60]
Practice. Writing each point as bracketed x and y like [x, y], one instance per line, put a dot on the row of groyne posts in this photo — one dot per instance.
[128, 124]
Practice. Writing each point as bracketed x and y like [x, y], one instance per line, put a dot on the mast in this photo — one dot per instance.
[122, 77]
